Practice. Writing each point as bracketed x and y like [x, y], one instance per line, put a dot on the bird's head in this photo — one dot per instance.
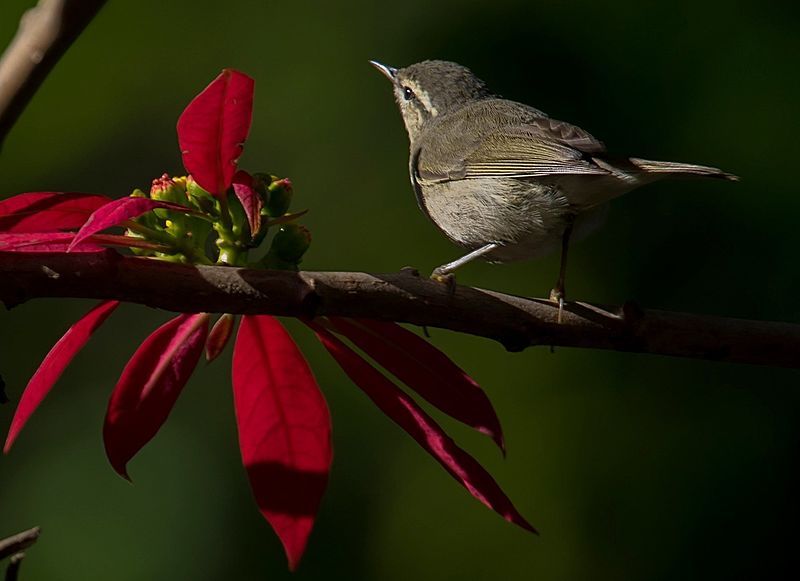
[431, 88]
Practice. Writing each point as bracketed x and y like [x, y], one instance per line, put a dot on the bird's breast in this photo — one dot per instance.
[475, 212]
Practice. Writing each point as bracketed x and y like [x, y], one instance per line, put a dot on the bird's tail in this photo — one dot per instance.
[674, 169]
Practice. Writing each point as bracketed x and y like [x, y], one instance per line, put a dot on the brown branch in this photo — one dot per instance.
[18, 543]
[404, 297]
[45, 33]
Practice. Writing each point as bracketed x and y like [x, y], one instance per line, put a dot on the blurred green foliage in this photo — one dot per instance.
[632, 466]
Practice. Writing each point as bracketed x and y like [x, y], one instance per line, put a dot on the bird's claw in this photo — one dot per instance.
[446, 278]
[557, 296]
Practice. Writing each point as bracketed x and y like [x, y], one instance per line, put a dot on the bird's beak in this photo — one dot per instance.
[388, 72]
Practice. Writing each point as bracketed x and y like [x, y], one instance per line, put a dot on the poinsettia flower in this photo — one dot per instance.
[283, 422]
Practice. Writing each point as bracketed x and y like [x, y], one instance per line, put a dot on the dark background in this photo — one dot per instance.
[632, 466]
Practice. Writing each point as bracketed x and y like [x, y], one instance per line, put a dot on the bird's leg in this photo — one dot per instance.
[559, 293]
[444, 273]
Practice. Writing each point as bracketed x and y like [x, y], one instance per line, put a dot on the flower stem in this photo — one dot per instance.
[225, 214]
[228, 255]
[230, 251]
[194, 254]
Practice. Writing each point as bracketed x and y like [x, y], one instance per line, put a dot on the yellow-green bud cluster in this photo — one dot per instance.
[186, 234]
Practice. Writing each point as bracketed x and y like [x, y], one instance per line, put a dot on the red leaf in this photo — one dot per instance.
[251, 201]
[212, 130]
[426, 370]
[284, 430]
[54, 365]
[54, 242]
[219, 336]
[45, 242]
[117, 211]
[150, 385]
[47, 211]
[420, 426]
[126, 242]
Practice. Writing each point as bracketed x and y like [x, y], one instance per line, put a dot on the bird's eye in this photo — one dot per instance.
[408, 94]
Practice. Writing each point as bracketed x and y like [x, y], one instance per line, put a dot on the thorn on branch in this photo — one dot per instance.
[517, 343]
[410, 270]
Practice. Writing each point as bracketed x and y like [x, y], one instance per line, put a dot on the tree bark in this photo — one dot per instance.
[514, 321]
[45, 33]
[17, 543]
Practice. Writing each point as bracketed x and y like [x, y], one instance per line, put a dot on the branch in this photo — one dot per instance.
[45, 33]
[404, 297]
[18, 543]
[12, 571]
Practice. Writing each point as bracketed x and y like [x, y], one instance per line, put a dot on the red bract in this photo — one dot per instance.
[54, 365]
[45, 242]
[213, 128]
[426, 370]
[284, 430]
[249, 198]
[47, 211]
[219, 336]
[150, 385]
[420, 426]
[34, 221]
[116, 212]
[55, 242]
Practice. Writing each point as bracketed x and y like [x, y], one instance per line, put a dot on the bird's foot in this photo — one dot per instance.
[446, 278]
[557, 295]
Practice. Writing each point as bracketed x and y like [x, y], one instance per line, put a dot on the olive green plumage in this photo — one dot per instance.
[502, 179]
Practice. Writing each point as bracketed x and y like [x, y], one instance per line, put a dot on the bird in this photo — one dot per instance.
[502, 179]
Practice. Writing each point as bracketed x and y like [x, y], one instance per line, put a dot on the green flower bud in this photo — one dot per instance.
[165, 189]
[261, 182]
[278, 197]
[288, 247]
[203, 200]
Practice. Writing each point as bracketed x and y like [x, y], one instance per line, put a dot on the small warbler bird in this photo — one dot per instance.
[502, 179]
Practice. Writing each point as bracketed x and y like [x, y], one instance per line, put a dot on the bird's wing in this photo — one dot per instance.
[523, 152]
[507, 148]
[568, 134]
